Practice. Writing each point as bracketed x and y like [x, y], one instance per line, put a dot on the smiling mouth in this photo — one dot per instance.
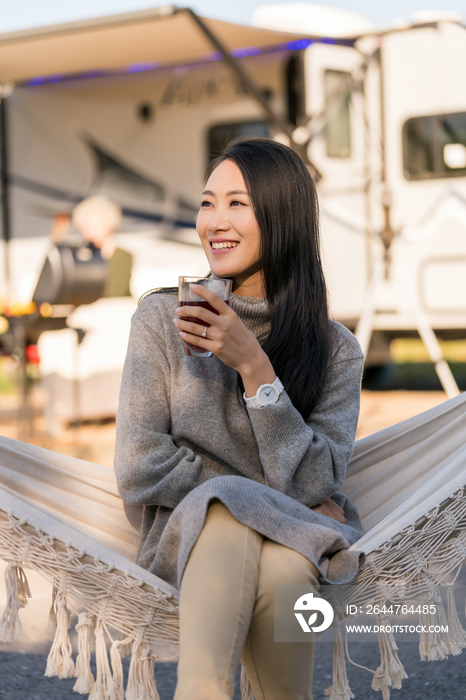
[224, 244]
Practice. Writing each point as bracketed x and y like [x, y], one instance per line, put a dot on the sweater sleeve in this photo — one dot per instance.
[150, 469]
[307, 460]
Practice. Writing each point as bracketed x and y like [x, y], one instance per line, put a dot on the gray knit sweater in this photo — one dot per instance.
[185, 437]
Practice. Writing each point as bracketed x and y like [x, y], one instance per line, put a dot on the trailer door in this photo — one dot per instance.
[334, 106]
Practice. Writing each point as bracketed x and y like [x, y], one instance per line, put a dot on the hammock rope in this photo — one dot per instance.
[145, 617]
[411, 569]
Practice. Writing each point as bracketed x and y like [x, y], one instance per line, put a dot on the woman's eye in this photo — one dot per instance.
[205, 204]
[236, 202]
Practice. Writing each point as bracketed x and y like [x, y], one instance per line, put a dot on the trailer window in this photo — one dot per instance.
[221, 134]
[337, 89]
[435, 146]
[295, 90]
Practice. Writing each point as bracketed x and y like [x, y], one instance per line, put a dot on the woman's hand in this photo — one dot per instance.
[331, 509]
[227, 337]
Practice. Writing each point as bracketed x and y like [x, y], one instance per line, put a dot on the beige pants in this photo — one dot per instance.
[227, 614]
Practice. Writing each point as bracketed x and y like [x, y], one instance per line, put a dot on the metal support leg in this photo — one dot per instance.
[365, 327]
[430, 341]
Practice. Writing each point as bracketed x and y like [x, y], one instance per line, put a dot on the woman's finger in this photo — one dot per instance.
[335, 509]
[199, 312]
[196, 340]
[330, 509]
[334, 514]
[191, 327]
[210, 296]
[333, 506]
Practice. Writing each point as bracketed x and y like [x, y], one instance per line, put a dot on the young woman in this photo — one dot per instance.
[237, 459]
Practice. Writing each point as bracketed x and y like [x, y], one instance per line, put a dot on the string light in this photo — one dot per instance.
[297, 45]
[142, 67]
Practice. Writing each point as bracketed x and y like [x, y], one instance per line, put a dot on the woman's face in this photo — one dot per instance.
[228, 230]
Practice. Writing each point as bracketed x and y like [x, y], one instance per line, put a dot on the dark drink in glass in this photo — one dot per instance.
[221, 287]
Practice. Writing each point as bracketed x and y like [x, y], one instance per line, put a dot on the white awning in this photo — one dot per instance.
[164, 35]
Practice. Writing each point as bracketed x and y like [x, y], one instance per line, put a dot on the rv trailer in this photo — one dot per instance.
[135, 106]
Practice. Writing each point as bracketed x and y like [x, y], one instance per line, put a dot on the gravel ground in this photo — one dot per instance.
[21, 676]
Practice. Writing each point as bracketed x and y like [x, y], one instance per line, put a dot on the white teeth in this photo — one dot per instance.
[225, 244]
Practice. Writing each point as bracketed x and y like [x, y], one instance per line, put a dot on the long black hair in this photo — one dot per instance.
[284, 202]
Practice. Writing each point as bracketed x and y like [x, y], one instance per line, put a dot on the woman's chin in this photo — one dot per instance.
[222, 270]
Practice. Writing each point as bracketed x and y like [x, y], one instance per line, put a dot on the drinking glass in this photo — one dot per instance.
[221, 287]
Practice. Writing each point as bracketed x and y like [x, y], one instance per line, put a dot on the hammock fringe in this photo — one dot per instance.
[245, 687]
[391, 672]
[117, 668]
[60, 661]
[432, 646]
[340, 688]
[103, 686]
[84, 677]
[17, 594]
[452, 648]
[455, 629]
[141, 679]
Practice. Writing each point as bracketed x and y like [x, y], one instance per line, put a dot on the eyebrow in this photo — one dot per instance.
[228, 193]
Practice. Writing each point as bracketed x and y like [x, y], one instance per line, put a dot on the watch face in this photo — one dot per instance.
[268, 394]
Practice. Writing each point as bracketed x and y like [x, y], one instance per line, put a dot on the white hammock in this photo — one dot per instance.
[63, 518]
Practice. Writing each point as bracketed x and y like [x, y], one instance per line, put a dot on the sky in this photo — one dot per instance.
[22, 14]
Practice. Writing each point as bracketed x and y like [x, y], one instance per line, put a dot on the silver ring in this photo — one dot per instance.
[204, 335]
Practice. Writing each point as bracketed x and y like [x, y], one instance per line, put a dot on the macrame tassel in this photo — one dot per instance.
[52, 611]
[245, 686]
[340, 689]
[390, 673]
[452, 648]
[117, 668]
[103, 685]
[17, 594]
[456, 632]
[431, 644]
[59, 661]
[84, 678]
[141, 679]
[125, 647]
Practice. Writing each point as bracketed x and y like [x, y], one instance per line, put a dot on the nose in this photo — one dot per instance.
[218, 220]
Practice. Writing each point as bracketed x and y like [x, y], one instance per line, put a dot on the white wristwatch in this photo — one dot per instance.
[266, 395]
